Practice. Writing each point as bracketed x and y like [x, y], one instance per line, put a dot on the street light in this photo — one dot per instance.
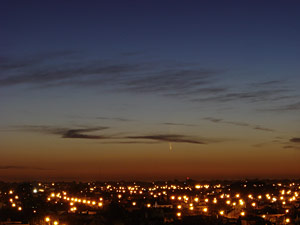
[47, 219]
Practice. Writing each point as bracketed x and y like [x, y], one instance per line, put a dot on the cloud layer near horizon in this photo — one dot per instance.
[85, 133]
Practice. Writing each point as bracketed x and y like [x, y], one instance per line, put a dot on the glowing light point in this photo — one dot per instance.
[198, 186]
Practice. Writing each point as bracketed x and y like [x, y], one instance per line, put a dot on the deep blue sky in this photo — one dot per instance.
[194, 30]
[116, 84]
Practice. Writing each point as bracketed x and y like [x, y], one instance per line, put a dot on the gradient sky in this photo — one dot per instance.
[110, 90]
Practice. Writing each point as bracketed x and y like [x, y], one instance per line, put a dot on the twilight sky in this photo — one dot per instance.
[104, 90]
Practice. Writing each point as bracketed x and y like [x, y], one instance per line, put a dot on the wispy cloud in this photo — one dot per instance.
[178, 81]
[119, 119]
[257, 127]
[170, 138]
[291, 147]
[286, 107]
[8, 63]
[259, 145]
[269, 83]
[85, 133]
[187, 81]
[179, 124]
[129, 142]
[79, 133]
[248, 95]
[292, 143]
[83, 75]
[138, 77]
[241, 124]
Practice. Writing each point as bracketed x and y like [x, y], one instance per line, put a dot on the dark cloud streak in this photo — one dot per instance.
[119, 119]
[80, 133]
[241, 124]
[117, 139]
[179, 124]
[295, 140]
[67, 132]
[287, 107]
[251, 96]
[170, 138]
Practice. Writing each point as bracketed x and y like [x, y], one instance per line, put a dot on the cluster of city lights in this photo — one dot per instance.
[196, 199]
[14, 201]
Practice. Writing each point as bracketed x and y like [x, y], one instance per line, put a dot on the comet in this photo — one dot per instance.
[170, 146]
